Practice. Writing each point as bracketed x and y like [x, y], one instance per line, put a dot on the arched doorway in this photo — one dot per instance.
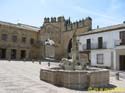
[69, 48]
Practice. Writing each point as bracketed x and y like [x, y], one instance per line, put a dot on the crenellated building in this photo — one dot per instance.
[60, 30]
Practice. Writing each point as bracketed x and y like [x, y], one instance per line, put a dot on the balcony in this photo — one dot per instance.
[118, 43]
[95, 46]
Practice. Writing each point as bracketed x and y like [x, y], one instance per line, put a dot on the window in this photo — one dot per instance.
[31, 41]
[88, 43]
[13, 53]
[14, 38]
[4, 37]
[23, 54]
[100, 42]
[100, 58]
[122, 37]
[2, 53]
[24, 39]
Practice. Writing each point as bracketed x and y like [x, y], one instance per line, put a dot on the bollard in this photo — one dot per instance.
[49, 64]
[117, 75]
[24, 59]
[32, 60]
[39, 62]
[9, 60]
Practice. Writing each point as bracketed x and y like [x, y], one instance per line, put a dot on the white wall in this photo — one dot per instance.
[108, 37]
[107, 57]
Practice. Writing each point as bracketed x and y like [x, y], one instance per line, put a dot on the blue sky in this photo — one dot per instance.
[32, 12]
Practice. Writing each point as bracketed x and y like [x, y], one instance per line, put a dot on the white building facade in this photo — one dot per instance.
[105, 46]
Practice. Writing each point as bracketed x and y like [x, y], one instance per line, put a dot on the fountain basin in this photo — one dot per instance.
[75, 79]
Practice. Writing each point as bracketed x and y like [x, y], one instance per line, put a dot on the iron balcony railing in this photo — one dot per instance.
[95, 46]
[118, 43]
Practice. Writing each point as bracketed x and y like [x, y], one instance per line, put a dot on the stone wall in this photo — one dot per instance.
[75, 79]
[98, 79]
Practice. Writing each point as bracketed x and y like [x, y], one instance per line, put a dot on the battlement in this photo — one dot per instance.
[54, 19]
[67, 24]
[87, 22]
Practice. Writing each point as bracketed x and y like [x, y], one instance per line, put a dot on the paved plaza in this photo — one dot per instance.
[23, 77]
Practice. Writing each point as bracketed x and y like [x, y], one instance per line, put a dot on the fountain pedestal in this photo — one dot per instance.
[78, 79]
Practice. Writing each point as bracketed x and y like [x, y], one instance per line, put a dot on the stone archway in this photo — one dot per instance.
[69, 48]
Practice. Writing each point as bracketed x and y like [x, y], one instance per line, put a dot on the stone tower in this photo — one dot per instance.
[60, 30]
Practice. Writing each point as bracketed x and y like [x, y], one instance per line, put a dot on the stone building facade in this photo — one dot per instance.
[16, 41]
[19, 41]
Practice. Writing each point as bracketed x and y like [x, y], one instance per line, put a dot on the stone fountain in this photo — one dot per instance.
[74, 63]
[72, 73]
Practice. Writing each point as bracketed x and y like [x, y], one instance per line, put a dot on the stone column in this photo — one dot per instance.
[75, 52]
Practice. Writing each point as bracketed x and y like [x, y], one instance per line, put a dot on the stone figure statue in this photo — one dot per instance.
[74, 63]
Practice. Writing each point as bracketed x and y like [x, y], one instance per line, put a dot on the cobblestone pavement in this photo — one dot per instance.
[23, 77]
